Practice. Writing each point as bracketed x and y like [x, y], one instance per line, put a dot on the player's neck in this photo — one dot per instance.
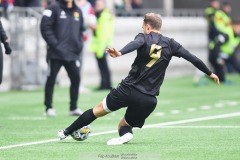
[156, 31]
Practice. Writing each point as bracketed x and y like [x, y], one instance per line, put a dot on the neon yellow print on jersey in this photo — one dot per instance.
[155, 54]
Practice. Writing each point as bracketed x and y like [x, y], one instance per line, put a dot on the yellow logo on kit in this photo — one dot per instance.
[76, 15]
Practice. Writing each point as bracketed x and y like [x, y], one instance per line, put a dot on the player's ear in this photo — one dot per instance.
[148, 27]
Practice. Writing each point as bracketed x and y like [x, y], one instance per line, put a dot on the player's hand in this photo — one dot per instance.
[215, 78]
[7, 47]
[113, 52]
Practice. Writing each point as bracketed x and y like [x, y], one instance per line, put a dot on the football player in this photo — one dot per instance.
[138, 91]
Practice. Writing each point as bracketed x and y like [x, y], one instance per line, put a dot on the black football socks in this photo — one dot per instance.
[125, 129]
[85, 119]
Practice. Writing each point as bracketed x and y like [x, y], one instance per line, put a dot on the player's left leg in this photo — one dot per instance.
[125, 133]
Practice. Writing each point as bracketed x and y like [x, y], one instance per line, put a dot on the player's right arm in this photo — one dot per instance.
[113, 52]
[131, 46]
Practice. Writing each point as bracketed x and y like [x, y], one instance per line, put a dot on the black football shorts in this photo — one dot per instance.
[139, 105]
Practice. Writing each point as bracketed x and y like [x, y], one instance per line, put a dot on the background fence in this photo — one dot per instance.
[27, 67]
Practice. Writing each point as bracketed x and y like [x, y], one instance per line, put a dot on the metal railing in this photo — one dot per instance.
[176, 12]
[25, 41]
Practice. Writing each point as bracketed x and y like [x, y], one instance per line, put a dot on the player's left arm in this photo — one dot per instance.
[182, 52]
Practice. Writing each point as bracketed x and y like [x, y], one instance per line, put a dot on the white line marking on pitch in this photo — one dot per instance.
[147, 126]
[28, 118]
[219, 105]
[194, 120]
[175, 111]
[232, 103]
[205, 107]
[191, 109]
[201, 127]
[160, 114]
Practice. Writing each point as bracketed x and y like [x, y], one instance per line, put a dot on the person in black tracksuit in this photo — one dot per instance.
[138, 91]
[62, 29]
[8, 50]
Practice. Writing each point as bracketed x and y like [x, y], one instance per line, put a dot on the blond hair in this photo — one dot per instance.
[154, 20]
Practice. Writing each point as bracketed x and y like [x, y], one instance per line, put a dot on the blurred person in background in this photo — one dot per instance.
[4, 5]
[102, 38]
[119, 4]
[10, 5]
[90, 22]
[224, 49]
[46, 3]
[127, 5]
[87, 9]
[209, 14]
[223, 22]
[136, 4]
[222, 17]
[8, 50]
[62, 27]
[92, 2]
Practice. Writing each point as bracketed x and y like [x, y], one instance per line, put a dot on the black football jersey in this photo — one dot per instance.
[154, 52]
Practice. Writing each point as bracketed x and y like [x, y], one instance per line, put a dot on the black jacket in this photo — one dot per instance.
[154, 53]
[62, 29]
[3, 38]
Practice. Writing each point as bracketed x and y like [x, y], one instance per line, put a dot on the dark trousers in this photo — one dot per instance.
[218, 69]
[104, 72]
[233, 64]
[72, 68]
[221, 69]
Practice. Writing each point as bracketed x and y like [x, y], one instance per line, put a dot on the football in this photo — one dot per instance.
[81, 134]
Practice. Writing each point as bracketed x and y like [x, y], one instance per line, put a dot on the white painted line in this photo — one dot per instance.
[232, 103]
[191, 109]
[28, 118]
[194, 120]
[201, 127]
[205, 107]
[219, 105]
[29, 144]
[160, 114]
[175, 111]
[147, 126]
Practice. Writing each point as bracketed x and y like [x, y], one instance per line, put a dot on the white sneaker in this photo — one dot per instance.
[121, 140]
[61, 135]
[51, 112]
[76, 112]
